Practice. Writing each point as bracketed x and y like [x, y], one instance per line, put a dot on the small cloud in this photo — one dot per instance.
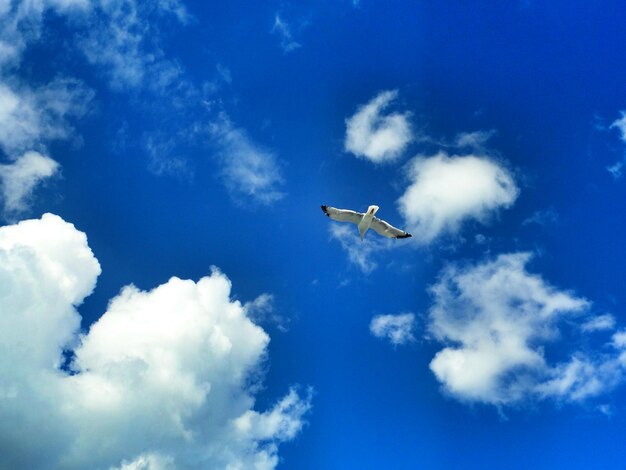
[445, 191]
[164, 158]
[616, 169]
[262, 311]
[474, 141]
[543, 217]
[376, 136]
[397, 328]
[282, 29]
[31, 117]
[360, 252]
[19, 179]
[250, 172]
[599, 323]
[620, 125]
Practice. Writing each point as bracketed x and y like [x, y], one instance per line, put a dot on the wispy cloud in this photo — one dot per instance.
[29, 118]
[250, 172]
[475, 141]
[123, 41]
[19, 179]
[376, 136]
[496, 319]
[360, 252]
[396, 328]
[166, 385]
[616, 170]
[283, 30]
[444, 191]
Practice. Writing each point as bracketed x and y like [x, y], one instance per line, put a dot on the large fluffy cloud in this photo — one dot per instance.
[164, 379]
[496, 320]
[446, 190]
[377, 136]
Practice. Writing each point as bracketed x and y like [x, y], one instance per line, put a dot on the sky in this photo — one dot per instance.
[173, 297]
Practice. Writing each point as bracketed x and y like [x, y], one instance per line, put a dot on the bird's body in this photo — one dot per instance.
[365, 221]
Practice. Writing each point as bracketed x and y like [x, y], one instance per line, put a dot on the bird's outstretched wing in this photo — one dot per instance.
[343, 215]
[387, 230]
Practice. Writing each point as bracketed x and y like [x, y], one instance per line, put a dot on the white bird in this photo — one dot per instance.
[365, 221]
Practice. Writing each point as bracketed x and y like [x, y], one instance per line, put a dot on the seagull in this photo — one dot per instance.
[366, 221]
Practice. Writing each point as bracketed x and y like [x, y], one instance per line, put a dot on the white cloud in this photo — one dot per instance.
[376, 136]
[19, 179]
[445, 191]
[360, 252]
[30, 117]
[620, 125]
[397, 328]
[496, 319]
[475, 141]
[617, 169]
[287, 43]
[22, 24]
[164, 379]
[599, 323]
[122, 40]
[543, 217]
[250, 172]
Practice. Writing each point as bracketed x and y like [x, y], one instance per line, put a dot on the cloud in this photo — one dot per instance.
[445, 191]
[283, 30]
[164, 379]
[599, 323]
[250, 172]
[19, 179]
[397, 328]
[123, 41]
[475, 141]
[496, 320]
[22, 24]
[620, 125]
[31, 117]
[543, 217]
[376, 136]
[360, 252]
[616, 170]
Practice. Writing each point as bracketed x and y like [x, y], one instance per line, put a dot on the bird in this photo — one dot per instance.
[365, 221]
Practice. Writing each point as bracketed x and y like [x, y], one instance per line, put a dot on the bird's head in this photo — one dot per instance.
[371, 210]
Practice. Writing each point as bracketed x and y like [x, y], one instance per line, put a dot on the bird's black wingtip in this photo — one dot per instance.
[325, 209]
[405, 235]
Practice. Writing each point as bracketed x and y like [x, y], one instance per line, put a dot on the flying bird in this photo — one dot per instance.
[365, 221]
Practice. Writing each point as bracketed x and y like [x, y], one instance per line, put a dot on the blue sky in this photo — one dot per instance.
[172, 296]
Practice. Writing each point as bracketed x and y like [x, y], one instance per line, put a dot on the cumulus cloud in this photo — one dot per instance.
[283, 30]
[396, 328]
[164, 379]
[376, 136]
[19, 179]
[496, 320]
[250, 172]
[444, 191]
